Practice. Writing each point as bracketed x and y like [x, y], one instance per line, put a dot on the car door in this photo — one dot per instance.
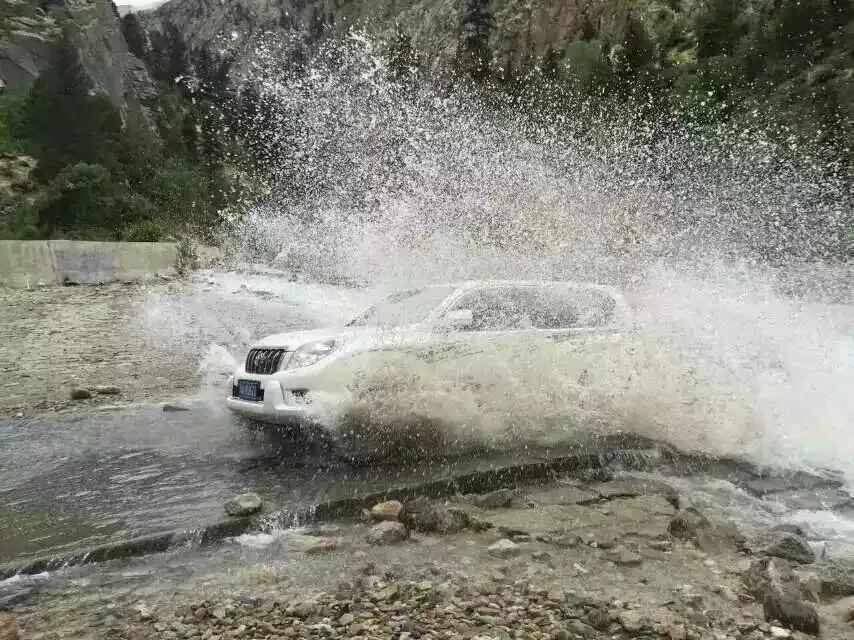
[528, 334]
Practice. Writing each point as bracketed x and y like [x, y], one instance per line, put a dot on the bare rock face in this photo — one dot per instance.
[27, 41]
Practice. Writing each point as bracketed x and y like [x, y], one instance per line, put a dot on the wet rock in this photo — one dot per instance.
[788, 527]
[144, 612]
[389, 510]
[624, 557]
[8, 627]
[779, 632]
[385, 594]
[426, 516]
[309, 544]
[837, 579]
[498, 499]
[168, 407]
[304, 609]
[504, 548]
[815, 499]
[599, 619]
[773, 583]
[580, 630]
[631, 487]
[687, 524]
[243, 505]
[387, 532]
[800, 480]
[791, 546]
[80, 394]
[690, 524]
[107, 390]
[842, 609]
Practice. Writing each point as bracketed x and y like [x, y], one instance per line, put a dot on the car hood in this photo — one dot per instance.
[292, 340]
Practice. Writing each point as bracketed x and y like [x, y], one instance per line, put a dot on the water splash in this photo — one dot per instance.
[390, 183]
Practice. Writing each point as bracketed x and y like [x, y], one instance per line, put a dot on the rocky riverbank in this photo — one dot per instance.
[629, 557]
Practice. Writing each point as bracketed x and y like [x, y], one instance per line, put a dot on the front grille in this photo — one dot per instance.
[264, 361]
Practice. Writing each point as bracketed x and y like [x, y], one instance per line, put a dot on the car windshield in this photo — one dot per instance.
[406, 307]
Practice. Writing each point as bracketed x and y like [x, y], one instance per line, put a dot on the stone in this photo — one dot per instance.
[8, 627]
[541, 556]
[425, 516]
[687, 523]
[387, 593]
[773, 583]
[498, 499]
[599, 619]
[624, 557]
[842, 610]
[387, 532]
[788, 527]
[580, 630]
[504, 548]
[309, 544]
[346, 620]
[171, 408]
[144, 612]
[791, 546]
[107, 390]
[304, 609]
[389, 510]
[243, 505]
[837, 579]
[632, 487]
[800, 480]
[80, 394]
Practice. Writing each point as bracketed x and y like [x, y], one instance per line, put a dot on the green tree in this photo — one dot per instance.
[168, 57]
[134, 36]
[476, 26]
[717, 28]
[65, 123]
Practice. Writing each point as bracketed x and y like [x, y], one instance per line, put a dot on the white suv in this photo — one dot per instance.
[284, 374]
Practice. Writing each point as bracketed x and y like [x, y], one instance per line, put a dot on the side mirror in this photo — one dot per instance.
[457, 319]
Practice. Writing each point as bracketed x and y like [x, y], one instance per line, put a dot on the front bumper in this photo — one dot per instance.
[278, 407]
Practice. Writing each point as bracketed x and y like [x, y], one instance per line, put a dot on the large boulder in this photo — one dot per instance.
[498, 499]
[690, 524]
[387, 532]
[243, 505]
[791, 546]
[773, 583]
[388, 510]
[426, 516]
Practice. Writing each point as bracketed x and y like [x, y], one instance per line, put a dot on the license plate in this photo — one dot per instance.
[249, 390]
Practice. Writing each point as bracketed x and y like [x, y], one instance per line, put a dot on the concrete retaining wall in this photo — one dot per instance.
[28, 263]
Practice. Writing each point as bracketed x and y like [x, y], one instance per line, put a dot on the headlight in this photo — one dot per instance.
[311, 352]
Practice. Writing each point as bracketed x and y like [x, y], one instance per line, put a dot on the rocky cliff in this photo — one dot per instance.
[29, 28]
[524, 30]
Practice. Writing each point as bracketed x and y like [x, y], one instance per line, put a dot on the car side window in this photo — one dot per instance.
[494, 310]
[509, 309]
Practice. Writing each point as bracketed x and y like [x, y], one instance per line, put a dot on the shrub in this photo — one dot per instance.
[143, 231]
